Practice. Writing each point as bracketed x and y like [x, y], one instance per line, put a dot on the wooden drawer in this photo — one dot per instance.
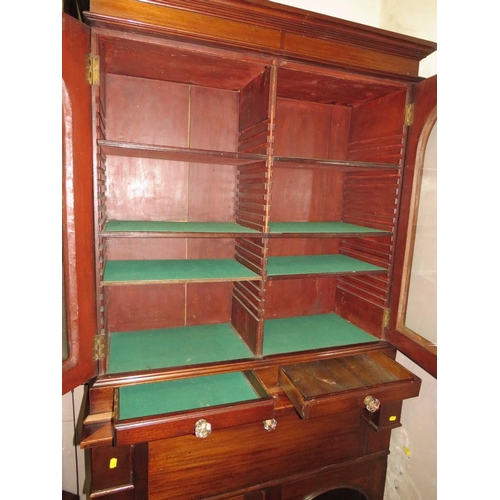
[171, 408]
[319, 388]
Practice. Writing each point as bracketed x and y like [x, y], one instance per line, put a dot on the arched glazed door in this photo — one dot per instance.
[403, 332]
[79, 304]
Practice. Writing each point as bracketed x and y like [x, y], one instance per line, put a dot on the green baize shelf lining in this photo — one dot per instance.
[184, 394]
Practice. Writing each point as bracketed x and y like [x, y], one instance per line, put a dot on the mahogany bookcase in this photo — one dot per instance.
[236, 183]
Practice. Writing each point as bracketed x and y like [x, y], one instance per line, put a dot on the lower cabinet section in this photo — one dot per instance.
[298, 459]
[318, 429]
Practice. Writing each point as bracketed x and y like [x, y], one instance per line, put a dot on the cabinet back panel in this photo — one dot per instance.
[146, 111]
[300, 297]
[143, 307]
[174, 115]
[213, 125]
[138, 307]
[212, 193]
[144, 189]
[208, 303]
[146, 248]
[169, 248]
[213, 119]
[306, 195]
[302, 129]
[303, 246]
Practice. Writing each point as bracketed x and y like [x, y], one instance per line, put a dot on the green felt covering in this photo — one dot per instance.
[169, 347]
[175, 227]
[181, 395]
[303, 333]
[121, 271]
[319, 227]
[317, 264]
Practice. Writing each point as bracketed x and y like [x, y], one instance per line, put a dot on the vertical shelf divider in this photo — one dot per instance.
[257, 104]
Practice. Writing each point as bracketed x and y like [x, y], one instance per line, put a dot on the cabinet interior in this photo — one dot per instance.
[245, 206]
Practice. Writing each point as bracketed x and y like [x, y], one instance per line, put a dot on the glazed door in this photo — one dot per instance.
[417, 345]
[79, 305]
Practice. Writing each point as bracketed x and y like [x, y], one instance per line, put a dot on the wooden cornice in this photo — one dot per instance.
[268, 28]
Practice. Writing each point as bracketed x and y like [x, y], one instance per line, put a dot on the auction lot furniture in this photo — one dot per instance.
[237, 186]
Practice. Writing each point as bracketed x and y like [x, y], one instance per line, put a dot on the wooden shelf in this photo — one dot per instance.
[306, 265]
[134, 228]
[324, 163]
[126, 228]
[119, 272]
[172, 347]
[304, 333]
[165, 348]
[336, 228]
[152, 151]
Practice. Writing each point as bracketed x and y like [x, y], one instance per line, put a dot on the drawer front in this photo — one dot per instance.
[320, 388]
[198, 405]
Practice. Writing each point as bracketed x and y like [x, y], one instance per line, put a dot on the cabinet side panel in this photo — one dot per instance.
[359, 311]
[376, 130]
[254, 102]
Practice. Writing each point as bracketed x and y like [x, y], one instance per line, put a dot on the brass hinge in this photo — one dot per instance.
[385, 318]
[409, 113]
[99, 347]
[92, 69]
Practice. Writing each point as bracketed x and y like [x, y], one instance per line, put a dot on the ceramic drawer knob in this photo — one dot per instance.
[372, 404]
[202, 428]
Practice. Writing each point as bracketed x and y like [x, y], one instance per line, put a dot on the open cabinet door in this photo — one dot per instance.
[419, 178]
[79, 300]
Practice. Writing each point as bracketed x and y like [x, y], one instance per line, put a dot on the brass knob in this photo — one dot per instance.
[202, 429]
[270, 424]
[372, 404]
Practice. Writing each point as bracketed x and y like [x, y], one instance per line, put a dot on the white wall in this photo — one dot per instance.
[73, 458]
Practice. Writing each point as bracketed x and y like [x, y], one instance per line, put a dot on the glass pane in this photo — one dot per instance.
[65, 340]
[421, 308]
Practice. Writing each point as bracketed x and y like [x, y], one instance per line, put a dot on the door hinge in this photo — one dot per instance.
[92, 69]
[385, 318]
[99, 347]
[409, 113]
